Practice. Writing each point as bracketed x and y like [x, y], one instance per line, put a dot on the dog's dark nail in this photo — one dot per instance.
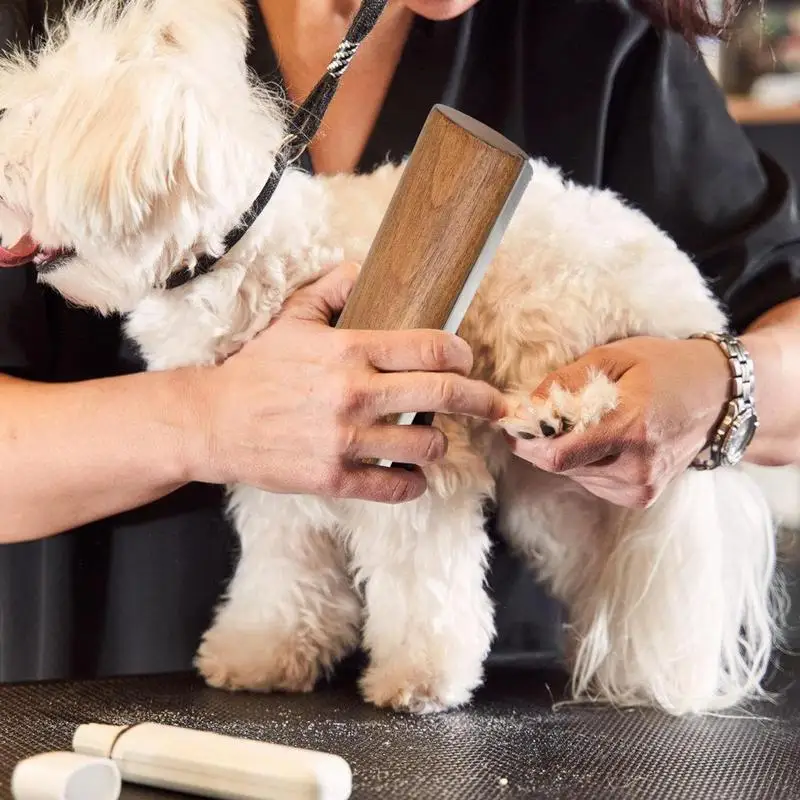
[547, 429]
[524, 435]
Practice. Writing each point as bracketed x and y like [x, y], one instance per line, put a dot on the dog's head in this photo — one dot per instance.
[128, 141]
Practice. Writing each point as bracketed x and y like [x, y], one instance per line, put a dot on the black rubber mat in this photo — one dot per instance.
[510, 744]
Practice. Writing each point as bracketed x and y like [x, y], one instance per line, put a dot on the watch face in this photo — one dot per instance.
[739, 437]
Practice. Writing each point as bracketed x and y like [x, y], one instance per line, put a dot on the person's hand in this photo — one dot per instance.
[671, 395]
[298, 409]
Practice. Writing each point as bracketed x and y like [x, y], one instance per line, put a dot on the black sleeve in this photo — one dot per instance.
[25, 341]
[14, 22]
[673, 150]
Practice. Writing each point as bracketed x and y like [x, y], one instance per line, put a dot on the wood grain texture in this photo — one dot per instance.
[450, 195]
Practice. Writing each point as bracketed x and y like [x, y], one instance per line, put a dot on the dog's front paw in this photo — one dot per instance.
[260, 661]
[561, 411]
[413, 690]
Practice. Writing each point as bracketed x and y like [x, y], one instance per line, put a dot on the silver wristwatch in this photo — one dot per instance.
[739, 420]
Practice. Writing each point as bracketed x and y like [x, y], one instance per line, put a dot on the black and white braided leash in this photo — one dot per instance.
[342, 58]
[303, 127]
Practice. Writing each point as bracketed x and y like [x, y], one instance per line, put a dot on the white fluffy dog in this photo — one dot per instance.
[125, 151]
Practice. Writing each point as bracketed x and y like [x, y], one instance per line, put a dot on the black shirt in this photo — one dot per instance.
[586, 84]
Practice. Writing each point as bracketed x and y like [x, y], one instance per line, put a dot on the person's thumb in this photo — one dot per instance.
[571, 378]
[325, 297]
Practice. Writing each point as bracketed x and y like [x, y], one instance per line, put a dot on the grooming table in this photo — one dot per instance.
[510, 744]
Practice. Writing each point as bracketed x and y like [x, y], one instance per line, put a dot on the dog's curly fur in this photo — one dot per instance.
[124, 140]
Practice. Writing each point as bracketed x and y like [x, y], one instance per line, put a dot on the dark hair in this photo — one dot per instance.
[691, 18]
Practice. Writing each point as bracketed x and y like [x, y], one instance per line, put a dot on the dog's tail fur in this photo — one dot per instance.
[687, 609]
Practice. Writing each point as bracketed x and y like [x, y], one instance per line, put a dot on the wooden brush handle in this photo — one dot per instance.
[457, 193]
[449, 211]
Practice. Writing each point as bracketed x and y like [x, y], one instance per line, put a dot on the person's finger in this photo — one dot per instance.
[572, 378]
[321, 300]
[421, 392]
[379, 484]
[622, 493]
[571, 451]
[614, 468]
[410, 350]
[611, 492]
[420, 445]
[575, 376]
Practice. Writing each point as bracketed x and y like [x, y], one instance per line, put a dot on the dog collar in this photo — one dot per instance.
[303, 126]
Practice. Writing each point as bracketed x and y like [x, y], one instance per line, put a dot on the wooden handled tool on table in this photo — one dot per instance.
[458, 192]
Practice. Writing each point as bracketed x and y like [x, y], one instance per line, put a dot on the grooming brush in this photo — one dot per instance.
[455, 199]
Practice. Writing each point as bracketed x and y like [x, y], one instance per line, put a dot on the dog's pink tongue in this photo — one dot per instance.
[21, 253]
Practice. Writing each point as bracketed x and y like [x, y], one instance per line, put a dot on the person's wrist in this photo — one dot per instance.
[712, 390]
[187, 408]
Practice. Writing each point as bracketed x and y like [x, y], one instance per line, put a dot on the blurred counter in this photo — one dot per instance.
[751, 112]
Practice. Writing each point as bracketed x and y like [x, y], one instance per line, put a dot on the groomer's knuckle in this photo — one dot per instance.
[645, 496]
[556, 459]
[640, 470]
[353, 396]
[345, 439]
[398, 489]
[643, 428]
[350, 347]
[435, 446]
[434, 353]
[445, 392]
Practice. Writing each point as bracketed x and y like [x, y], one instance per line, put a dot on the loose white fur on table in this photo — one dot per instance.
[140, 140]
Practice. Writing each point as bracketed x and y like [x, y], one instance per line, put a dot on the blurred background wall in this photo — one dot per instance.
[759, 69]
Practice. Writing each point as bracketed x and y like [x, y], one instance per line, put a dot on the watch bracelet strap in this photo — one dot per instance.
[742, 392]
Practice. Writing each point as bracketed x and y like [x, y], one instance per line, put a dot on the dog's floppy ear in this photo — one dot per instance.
[112, 153]
[217, 30]
[119, 142]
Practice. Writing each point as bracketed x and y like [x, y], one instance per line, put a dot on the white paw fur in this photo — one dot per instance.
[562, 411]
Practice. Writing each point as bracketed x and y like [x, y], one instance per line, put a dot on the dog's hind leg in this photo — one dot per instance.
[683, 613]
[673, 606]
[290, 612]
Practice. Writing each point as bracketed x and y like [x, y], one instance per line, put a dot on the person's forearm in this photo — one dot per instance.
[774, 344]
[75, 453]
